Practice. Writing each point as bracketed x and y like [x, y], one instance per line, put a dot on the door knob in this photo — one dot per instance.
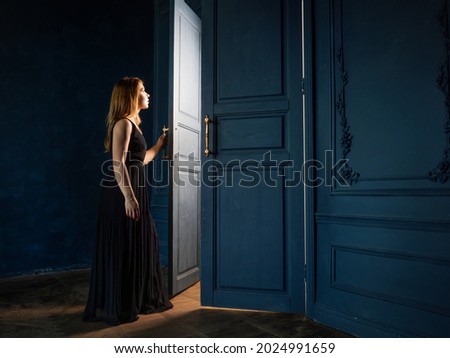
[165, 130]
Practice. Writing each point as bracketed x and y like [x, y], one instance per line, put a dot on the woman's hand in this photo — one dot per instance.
[132, 209]
[162, 141]
[153, 151]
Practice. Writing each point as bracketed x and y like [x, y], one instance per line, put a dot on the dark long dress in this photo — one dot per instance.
[126, 277]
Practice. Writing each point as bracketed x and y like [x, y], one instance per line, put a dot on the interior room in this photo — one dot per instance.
[304, 190]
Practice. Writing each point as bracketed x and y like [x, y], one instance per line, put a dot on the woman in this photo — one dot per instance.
[126, 277]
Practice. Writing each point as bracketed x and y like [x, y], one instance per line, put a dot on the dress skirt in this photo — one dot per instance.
[126, 276]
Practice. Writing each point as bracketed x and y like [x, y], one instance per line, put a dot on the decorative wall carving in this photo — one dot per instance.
[441, 173]
[351, 176]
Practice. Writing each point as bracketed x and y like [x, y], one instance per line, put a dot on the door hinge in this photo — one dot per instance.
[304, 272]
[303, 85]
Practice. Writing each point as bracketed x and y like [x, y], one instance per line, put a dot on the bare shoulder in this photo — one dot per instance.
[123, 127]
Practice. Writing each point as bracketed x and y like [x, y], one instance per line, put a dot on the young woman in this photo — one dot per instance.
[126, 277]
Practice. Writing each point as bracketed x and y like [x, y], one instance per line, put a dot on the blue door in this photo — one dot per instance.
[252, 206]
[381, 229]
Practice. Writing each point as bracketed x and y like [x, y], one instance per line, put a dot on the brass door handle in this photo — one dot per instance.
[165, 130]
[207, 120]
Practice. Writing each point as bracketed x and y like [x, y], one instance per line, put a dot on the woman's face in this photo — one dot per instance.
[144, 97]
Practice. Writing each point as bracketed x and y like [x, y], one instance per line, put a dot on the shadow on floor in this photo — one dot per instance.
[51, 305]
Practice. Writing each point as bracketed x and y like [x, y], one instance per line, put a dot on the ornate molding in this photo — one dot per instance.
[441, 173]
[351, 176]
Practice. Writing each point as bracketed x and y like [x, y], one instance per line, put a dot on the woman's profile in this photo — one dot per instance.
[126, 277]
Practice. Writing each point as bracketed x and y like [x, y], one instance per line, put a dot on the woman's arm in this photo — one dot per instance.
[153, 151]
[121, 138]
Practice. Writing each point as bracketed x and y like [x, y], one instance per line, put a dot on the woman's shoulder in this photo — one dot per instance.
[123, 125]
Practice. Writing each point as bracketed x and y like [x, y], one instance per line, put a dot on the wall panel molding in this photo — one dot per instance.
[351, 181]
[401, 223]
[345, 319]
[404, 261]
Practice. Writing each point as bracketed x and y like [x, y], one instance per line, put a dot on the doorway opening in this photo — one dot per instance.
[175, 202]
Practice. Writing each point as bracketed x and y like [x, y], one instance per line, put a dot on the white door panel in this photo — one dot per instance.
[185, 268]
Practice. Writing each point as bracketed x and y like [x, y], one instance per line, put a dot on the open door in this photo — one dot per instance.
[184, 207]
[252, 206]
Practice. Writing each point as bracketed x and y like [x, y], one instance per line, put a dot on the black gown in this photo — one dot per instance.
[126, 276]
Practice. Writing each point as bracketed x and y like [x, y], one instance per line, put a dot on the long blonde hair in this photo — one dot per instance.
[124, 103]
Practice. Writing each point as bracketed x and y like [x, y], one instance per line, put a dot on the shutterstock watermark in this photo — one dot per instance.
[249, 173]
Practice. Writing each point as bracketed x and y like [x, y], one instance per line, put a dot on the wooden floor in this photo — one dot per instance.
[51, 305]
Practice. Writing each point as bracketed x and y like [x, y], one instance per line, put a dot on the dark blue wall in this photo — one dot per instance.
[380, 246]
[59, 61]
